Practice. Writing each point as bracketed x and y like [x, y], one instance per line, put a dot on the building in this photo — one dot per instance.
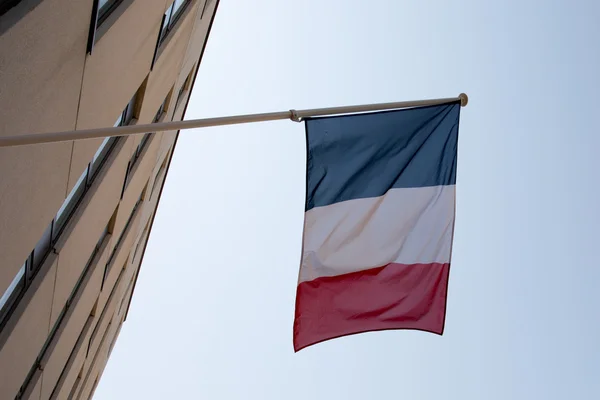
[75, 216]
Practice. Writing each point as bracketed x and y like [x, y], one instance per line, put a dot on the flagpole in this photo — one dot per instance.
[51, 137]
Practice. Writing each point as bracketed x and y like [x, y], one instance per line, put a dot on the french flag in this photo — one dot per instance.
[379, 223]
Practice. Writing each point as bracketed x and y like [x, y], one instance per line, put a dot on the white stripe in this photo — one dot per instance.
[406, 226]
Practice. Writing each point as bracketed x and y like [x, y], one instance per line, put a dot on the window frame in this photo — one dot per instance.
[169, 21]
[60, 320]
[184, 86]
[137, 153]
[109, 7]
[135, 157]
[13, 293]
[67, 209]
[162, 109]
[158, 178]
[168, 24]
[100, 156]
[100, 18]
[47, 243]
[119, 241]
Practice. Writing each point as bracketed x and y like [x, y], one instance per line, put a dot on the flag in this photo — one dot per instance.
[378, 223]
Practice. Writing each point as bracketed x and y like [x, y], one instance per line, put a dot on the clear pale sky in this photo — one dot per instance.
[212, 313]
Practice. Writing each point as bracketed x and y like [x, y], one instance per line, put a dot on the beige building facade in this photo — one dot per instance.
[75, 216]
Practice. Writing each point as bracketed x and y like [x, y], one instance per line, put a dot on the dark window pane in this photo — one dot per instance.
[105, 8]
[42, 248]
[161, 109]
[180, 94]
[129, 112]
[104, 4]
[142, 144]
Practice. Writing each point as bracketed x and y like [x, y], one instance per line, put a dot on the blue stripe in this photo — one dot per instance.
[365, 155]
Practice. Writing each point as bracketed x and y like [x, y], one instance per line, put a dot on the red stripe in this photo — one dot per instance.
[395, 296]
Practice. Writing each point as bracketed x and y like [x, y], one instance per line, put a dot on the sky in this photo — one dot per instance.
[213, 309]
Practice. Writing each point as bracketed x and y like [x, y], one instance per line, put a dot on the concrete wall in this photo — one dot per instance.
[28, 331]
[72, 326]
[57, 340]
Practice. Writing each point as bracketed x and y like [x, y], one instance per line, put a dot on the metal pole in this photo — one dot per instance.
[37, 138]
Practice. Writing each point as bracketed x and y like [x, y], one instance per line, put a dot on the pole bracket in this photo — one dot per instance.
[294, 116]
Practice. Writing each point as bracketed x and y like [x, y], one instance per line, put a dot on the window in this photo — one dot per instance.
[128, 113]
[180, 95]
[42, 249]
[91, 171]
[171, 17]
[101, 10]
[185, 86]
[142, 145]
[158, 178]
[122, 236]
[11, 295]
[61, 317]
[124, 119]
[28, 271]
[68, 207]
[161, 110]
[105, 7]
[82, 185]
[168, 23]
[47, 242]
[100, 156]
[137, 153]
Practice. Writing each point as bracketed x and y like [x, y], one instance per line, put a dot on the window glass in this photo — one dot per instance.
[177, 7]
[161, 109]
[142, 144]
[17, 282]
[101, 148]
[42, 247]
[104, 9]
[163, 29]
[174, 10]
[119, 120]
[100, 156]
[102, 4]
[70, 201]
[128, 113]
[182, 89]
